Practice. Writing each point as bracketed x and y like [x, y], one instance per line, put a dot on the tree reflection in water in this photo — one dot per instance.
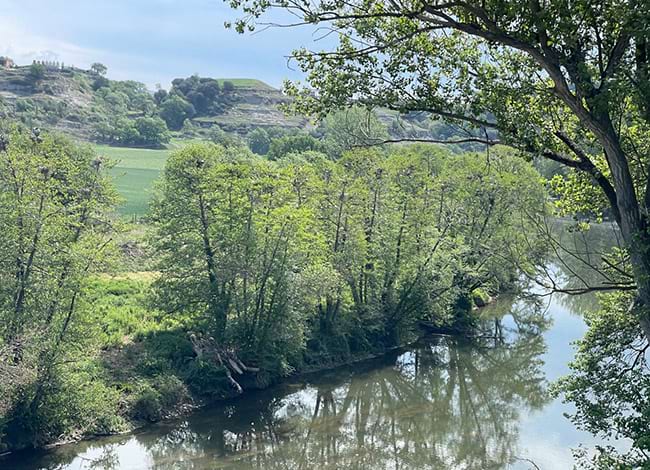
[443, 403]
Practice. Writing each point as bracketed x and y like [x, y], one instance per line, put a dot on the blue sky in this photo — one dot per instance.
[152, 41]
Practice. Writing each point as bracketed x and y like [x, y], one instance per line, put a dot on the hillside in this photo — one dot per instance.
[75, 102]
[61, 100]
[256, 105]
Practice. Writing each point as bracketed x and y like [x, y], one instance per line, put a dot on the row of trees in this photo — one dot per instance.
[56, 231]
[569, 82]
[270, 256]
[338, 132]
[142, 131]
[302, 260]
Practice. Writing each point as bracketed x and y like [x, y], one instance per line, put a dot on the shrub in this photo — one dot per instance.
[208, 379]
[36, 71]
[170, 346]
[147, 405]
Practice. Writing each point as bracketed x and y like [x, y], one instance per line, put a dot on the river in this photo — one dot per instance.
[442, 403]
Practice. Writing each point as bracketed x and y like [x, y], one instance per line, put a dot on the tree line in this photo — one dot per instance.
[270, 266]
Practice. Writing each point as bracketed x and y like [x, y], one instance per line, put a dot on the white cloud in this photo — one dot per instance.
[23, 46]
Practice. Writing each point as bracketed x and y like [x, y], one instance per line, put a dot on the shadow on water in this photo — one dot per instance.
[441, 403]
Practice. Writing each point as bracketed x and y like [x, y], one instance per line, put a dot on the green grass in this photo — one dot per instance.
[245, 82]
[135, 172]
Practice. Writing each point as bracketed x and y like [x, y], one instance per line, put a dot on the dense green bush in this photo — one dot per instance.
[208, 379]
[293, 144]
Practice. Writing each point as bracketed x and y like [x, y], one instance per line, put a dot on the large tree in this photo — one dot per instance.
[565, 80]
[56, 231]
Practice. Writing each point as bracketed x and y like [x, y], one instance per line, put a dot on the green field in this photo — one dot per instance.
[134, 173]
[245, 82]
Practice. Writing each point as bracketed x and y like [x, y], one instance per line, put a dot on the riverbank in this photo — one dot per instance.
[422, 392]
[191, 402]
[145, 369]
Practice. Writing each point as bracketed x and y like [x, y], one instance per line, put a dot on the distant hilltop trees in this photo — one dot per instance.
[51, 64]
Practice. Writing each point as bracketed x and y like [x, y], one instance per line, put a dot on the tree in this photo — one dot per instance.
[296, 143]
[551, 79]
[159, 96]
[175, 110]
[225, 139]
[351, 128]
[567, 82]
[56, 231]
[237, 247]
[259, 141]
[202, 92]
[36, 71]
[152, 131]
[100, 82]
[98, 69]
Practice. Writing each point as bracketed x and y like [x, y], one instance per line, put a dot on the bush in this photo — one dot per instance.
[36, 71]
[207, 379]
[170, 346]
[480, 298]
[147, 405]
[158, 398]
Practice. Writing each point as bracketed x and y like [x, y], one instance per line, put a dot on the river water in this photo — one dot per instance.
[443, 403]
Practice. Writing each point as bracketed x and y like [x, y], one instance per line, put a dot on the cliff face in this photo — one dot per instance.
[255, 105]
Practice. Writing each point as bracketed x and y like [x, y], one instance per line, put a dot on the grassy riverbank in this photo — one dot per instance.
[145, 368]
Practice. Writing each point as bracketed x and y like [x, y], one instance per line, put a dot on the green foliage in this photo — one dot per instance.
[205, 94]
[56, 231]
[143, 131]
[157, 399]
[609, 385]
[175, 110]
[272, 257]
[36, 71]
[122, 305]
[259, 141]
[173, 347]
[480, 298]
[153, 400]
[293, 143]
[208, 379]
[352, 128]
[98, 68]
[225, 139]
[72, 402]
[152, 131]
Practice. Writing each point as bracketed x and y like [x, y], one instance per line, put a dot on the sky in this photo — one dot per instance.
[151, 41]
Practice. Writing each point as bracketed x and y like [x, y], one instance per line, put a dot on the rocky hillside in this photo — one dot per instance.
[256, 104]
[68, 100]
[61, 99]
